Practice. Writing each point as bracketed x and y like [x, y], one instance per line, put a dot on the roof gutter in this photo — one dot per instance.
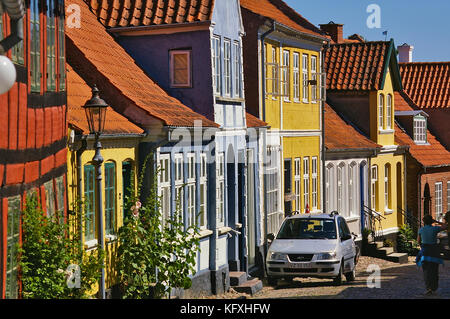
[16, 11]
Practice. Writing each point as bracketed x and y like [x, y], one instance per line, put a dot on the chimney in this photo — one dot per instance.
[405, 52]
[334, 30]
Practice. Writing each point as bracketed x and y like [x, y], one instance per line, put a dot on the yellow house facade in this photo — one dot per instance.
[120, 142]
[361, 80]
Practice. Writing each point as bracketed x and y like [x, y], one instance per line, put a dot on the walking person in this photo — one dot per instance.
[429, 255]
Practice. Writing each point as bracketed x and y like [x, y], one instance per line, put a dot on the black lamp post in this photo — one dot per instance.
[95, 109]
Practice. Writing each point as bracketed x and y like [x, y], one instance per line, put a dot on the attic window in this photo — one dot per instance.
[420, 129]
[180, 68]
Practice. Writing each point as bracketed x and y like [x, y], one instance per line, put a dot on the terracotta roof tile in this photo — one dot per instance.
[125, 13]
[121, 78]
[355, 66]
[78, 92]
[279, 11]
[427, 83]
[341, 135]
[253, 121]
[431, 154]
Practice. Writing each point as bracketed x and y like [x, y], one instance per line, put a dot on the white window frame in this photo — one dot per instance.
[188, 84]
[216, 63]
[387, 187]
[305, 78]
[314, 179]
[164, 186]
[272, 180]
[352, 189]
[339, 188]
[296, 76]
[373, 186]
[179, 183]
[448, 195]
[203, 191]
[420, 130]
[328, 180]
[275, 74]
[285, 89]
[381, 111]
[227, 66]
[389, 112]
[237, 69]
[297, 183]
[220, 189]
[306, 185]
[314, 78]
[438, 200]
[191, 190]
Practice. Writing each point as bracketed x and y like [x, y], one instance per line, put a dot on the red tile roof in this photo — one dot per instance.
[96, 56]
[279, 11]
[340, 135]
[356, 66]
[427, 83]
[253, 121]
[78, 92]
[126, 13]
[432, 154]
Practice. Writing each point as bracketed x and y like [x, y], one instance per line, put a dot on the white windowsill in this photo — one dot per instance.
[223, 230]
[204, 233]
[388, 131]
[388, 211]
[352, 218]
[110, 238]
[90, 244]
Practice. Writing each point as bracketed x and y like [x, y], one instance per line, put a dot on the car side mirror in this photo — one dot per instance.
[270, 237]
[346, 237]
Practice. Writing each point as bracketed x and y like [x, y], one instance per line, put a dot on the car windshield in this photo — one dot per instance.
[308, 228]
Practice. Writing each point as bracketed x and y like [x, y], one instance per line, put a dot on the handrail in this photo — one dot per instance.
[374, 211]
[408, 215]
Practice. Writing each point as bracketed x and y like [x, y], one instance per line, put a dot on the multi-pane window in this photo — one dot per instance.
[306, 181]
[266, 72]
[17, 53]
[381, 111]
[110, 198]
[305, 78]
[60, 197]
[164, 186]
[61, 47]
[220, 188]
[314, 185]
[1, 28]
[448, 196]
[203, 190]
[51, 46]
[237, 69]
[297, 183]
[274, 215]
[12, 240]
[438, 200]
[285, 75]
[227, 66]
[387, 191]
[180, 68]
[420, 129]
[275, 79]
[314, 79]
[339, 188]
[89, 202]
[191, 185]
[351, 188]
[373, 186]
[216, 64]
[179, 180]
[49, 199]
[388, 111]
[35, 48]
[296, 75]
[327, 187]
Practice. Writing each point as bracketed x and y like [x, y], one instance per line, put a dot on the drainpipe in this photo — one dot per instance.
[16, 11]
[79, 152]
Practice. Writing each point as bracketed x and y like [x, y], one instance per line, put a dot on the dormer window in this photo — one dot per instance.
[420, 129]
[180, 68]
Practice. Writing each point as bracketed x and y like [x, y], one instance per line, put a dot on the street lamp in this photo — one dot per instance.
[95, 109]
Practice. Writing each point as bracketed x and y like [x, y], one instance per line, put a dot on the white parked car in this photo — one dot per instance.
[312, 245]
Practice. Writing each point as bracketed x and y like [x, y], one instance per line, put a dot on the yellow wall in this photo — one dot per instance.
[385, 136]
[300, 147]
[124, 151]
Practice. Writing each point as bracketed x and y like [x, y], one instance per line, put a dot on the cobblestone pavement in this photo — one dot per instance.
[398, 281]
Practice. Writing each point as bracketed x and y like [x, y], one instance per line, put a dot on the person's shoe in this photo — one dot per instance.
[429, 292]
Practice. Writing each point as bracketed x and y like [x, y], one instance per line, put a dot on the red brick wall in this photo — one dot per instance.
[431, 179]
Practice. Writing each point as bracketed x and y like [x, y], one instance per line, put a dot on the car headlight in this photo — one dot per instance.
[277, 256]
[326, 256]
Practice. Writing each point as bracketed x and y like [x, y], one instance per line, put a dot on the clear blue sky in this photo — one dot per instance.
[425, 24]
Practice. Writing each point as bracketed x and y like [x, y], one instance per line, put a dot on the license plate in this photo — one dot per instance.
[300, 265]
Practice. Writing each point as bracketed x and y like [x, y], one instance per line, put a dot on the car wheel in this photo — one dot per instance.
[272, 281]
[350, 276]
[338, 280]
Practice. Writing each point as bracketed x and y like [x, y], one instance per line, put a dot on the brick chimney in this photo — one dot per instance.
[405, 52]
[334, 30]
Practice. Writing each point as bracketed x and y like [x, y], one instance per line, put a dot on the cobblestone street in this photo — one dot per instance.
[398, 281]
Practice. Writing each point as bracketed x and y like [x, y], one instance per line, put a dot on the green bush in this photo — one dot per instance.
[48, 248]
[406, 241]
